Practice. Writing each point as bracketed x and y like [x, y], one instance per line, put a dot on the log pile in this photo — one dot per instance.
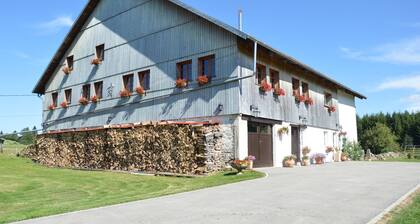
[174, 148]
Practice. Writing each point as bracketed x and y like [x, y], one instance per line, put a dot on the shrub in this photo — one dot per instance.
[353, 150]
[379, 139]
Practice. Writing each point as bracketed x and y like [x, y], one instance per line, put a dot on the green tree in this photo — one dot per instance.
[27, 136]
[379, 139]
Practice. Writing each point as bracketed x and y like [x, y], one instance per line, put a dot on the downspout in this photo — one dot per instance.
[255, 56]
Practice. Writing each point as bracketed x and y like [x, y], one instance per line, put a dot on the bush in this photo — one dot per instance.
[353, 150]
[379, 139]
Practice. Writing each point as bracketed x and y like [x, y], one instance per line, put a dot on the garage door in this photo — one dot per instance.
[260, 144]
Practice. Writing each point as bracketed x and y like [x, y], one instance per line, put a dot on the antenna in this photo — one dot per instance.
[240, 24]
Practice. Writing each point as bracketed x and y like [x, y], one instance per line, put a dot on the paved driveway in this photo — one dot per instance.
[352, 192]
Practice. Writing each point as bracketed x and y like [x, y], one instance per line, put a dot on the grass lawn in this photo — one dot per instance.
[11, 147]
[28, 190]
[409, 213]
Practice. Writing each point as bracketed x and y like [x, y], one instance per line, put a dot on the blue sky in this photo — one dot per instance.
[371, 46]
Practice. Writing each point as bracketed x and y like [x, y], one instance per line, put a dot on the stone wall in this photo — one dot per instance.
[174, 148]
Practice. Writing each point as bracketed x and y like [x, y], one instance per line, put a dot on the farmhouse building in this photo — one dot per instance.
[132, 61]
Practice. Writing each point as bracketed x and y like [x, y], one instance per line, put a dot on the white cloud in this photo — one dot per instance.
[402, 52]
[413, 102]
[407, 82]
[55, 24]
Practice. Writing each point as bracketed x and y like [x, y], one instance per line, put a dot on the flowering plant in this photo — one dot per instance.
[202, 80]
[83, 100]
[283, 131]
[125, 93]
[181, 83]
[94, 99]
[140, 90]
[309, 101]
[306, 150]
[64, 104]
[331, 109]
[239, 165]
[96, 61]
[250, 158]
[279, 91]
[329, 149]
[265, 86]
[51, 107]
[67, 70]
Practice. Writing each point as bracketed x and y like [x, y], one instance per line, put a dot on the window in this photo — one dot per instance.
[275, 78]
[261, 73]
[128, 82]
[98, 89]
[100, 52]
[327, 99]
[67, 95]
[144, 79]
[69, 61]
[184, 70]
[86, 91]
[305, 89]
[54, 98]
[295, 85]
[206, 66]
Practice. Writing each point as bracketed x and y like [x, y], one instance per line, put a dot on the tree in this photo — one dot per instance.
[27, 136]
[379, 139]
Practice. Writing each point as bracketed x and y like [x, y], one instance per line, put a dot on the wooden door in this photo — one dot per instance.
[296, 142]
[260, 144]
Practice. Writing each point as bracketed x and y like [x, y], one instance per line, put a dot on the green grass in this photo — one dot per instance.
[28, 190]
[409, 214]
[12, 147]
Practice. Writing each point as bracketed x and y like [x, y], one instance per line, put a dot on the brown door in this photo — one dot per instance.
[260, 144]
[296, 142]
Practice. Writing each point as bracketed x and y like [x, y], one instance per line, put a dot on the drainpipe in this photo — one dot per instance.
[255, 56]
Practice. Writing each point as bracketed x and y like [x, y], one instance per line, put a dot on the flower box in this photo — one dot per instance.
[67, 70]
[265, 86]
[279, 92]
[202, 80]
[181, 83]
[51, 107]
[331, 109]
[83, 101]
[125, 93]
[94, 99]
[300, 98]
[309, 101]
[64, 104]
[140, 90]
[96, 61]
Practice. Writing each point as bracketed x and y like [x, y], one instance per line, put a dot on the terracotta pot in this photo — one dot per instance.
[289, 163]
[319, 160]
[344, 158]
[306, 162]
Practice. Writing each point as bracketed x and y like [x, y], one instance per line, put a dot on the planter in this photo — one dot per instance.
[83, 101]
[64, 104]
[94, 99]
[51, 107]
[344, 157]
[300, 99]
[331, 109]
[319, 160]
[181, 83]
[289, 163]
[306, 162]
[96, 61]
[337, 156]
[67, 70]
[279, 92]
[202, 80]
[140, 90]
[125, 93]
[265, 86]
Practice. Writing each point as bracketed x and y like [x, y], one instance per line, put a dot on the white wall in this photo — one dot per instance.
[242, 138]
[282, 144]
[347, 115]
[318, 139]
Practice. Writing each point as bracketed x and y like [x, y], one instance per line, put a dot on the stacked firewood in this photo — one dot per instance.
[170, 148]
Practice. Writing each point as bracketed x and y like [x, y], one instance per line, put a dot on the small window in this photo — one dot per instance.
[261, 73]
[67, 95]
[100, 52]
[184, 70]
[86, 91]
[70, 62]
[98, 89]
[295, 85]
[305, 89]
[128, 82]
[206, 66]
[144, 79]
[275, 78]
[54, 98]
[327, 99]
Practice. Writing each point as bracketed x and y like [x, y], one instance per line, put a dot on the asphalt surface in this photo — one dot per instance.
[352, 192]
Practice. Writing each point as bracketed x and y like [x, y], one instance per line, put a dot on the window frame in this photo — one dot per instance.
[100, 52]
[54, 99]
[305, 89]
[142, 77]
[212, 66]
[296, 87]
[328, 99]
[68, 96]
[70, 62]
[96, 86]
[128, 79]
[179, 70]
[263, 68]
[86, 91]
[275, 78]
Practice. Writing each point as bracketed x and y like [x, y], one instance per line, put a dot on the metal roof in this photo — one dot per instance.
[40, 87]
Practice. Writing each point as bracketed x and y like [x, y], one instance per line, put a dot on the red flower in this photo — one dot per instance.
[309, 101]
[202, 80]
[125, 93]
[94, 99]
[64, 104]
[140, 90]
[67, 70]
[181, 83]
[96, 61]
[265, 86]
[83, 101]
[51, 107]
[300, 98]
[279, 92]
[332, 109]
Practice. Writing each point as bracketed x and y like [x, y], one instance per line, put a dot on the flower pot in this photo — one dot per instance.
[140, 90]
[344, 157]
[181, 83]
[306, 162]
[250, 164]
[202, 80]
[319, 160]
[289, 163]
[337, 156]
[96, 61]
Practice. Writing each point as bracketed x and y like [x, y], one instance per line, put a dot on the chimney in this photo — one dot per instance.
[240, 14]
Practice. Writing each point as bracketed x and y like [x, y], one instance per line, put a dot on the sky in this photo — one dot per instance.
[371, 46]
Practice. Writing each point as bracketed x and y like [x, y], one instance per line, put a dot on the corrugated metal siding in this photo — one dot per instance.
[284, 107]
[151, 35]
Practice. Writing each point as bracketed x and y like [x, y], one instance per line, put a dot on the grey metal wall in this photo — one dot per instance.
[284, 107]
[140, 35]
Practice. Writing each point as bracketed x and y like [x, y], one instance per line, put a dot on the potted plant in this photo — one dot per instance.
[309, 101]
[337, 155]
[265, 86]
[306, 161]
[84, 101]
[283, 131]
[51, 107]
[306, 150]
[329, 149]
[96, 61]
[125, 93]
[94, 99]
[202, 80]
[300, 98]
[64, 104]
[319, 158]
[279, 91]
[251, 160]
[67, 70]
[331, 109]
[289, 161]
[344, 156]
[181, 83]
[140, 90]
[239, 165]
